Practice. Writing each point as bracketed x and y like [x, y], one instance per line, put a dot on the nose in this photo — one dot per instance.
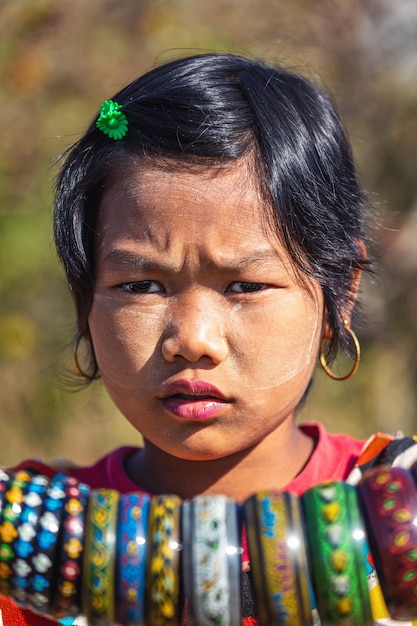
[195, 331]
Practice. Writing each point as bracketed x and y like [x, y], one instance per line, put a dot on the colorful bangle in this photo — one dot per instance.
[10, 515]
[67, 595]
[4, 483]
[27, 529]
[212, 561]
[162, 575]
[131, 558]
[40, 587]
[98, 593]
[388, 496]
[336, 538]
[278, 559]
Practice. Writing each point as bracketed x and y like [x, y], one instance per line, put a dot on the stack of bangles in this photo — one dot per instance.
[68, 550]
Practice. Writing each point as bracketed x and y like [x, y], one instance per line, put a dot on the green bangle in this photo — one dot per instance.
[337, 543]
[98, 591]
[278, 559]
[162, 575]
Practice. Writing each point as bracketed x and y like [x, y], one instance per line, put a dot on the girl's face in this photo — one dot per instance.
[204, 337]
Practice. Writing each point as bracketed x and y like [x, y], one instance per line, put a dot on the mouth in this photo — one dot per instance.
[193, 390]
[194, 400]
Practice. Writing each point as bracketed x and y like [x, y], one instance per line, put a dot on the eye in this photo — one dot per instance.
[142, 286]
[244, 287]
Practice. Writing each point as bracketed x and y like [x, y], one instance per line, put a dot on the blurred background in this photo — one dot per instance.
[59, 60]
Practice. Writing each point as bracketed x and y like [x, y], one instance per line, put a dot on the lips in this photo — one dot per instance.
[193, 400]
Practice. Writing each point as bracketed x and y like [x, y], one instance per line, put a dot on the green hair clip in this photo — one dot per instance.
[111, 120]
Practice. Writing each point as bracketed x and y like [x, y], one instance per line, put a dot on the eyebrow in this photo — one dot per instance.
[124, 260]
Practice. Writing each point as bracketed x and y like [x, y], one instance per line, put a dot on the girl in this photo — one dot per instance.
[211, 226]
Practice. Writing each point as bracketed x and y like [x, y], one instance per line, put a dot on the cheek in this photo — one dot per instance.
[124, 338]
[280, 344]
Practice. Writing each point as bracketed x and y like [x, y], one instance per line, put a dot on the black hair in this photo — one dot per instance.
[213, 109]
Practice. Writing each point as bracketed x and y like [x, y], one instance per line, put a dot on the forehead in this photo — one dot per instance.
[160, 192]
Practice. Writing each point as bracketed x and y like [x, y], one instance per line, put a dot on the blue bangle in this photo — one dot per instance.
[25, 543]
[131, 558]
[66, 600]
[212, 560]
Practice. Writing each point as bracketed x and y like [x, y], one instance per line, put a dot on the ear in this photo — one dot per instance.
[353, 296]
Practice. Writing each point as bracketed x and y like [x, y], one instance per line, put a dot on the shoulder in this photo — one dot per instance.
[333, 458]
[107, 472]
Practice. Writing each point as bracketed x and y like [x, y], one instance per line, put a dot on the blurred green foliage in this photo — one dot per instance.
[59, 60]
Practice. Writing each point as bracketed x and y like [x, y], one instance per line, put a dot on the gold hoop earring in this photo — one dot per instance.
[354, 369]
[76, 361]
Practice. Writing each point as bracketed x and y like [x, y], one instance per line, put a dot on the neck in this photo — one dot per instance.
[272, 464]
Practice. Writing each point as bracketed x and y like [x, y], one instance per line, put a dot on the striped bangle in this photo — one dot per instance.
[131, 558]
[212, 561]
[278, 558]
[98, 593]
[67, 595]
[27, 529]
[337, 543]
[10, 515]
[162, 575]
[388, 496]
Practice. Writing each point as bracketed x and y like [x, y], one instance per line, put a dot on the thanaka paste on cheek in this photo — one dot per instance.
[291, 347]
[131, 333]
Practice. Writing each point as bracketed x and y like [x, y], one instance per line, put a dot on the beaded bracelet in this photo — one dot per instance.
[27, 529]
[278, 559]
[4, 566]
[336, 539]
[67, 594]
[162, 575]
[43, 559]
[211, 561]
[389, 500]
[4, 482]
[131, 558]
[10, 516]
[98, 594]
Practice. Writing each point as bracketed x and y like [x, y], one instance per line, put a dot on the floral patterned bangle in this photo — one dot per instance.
[131, 558]
[27, 529]
[67, 596]
[98, 591]
[162, 575]
[336, 538]
[212, 561]
[278, 559]
[10, 516]
[388, 497]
